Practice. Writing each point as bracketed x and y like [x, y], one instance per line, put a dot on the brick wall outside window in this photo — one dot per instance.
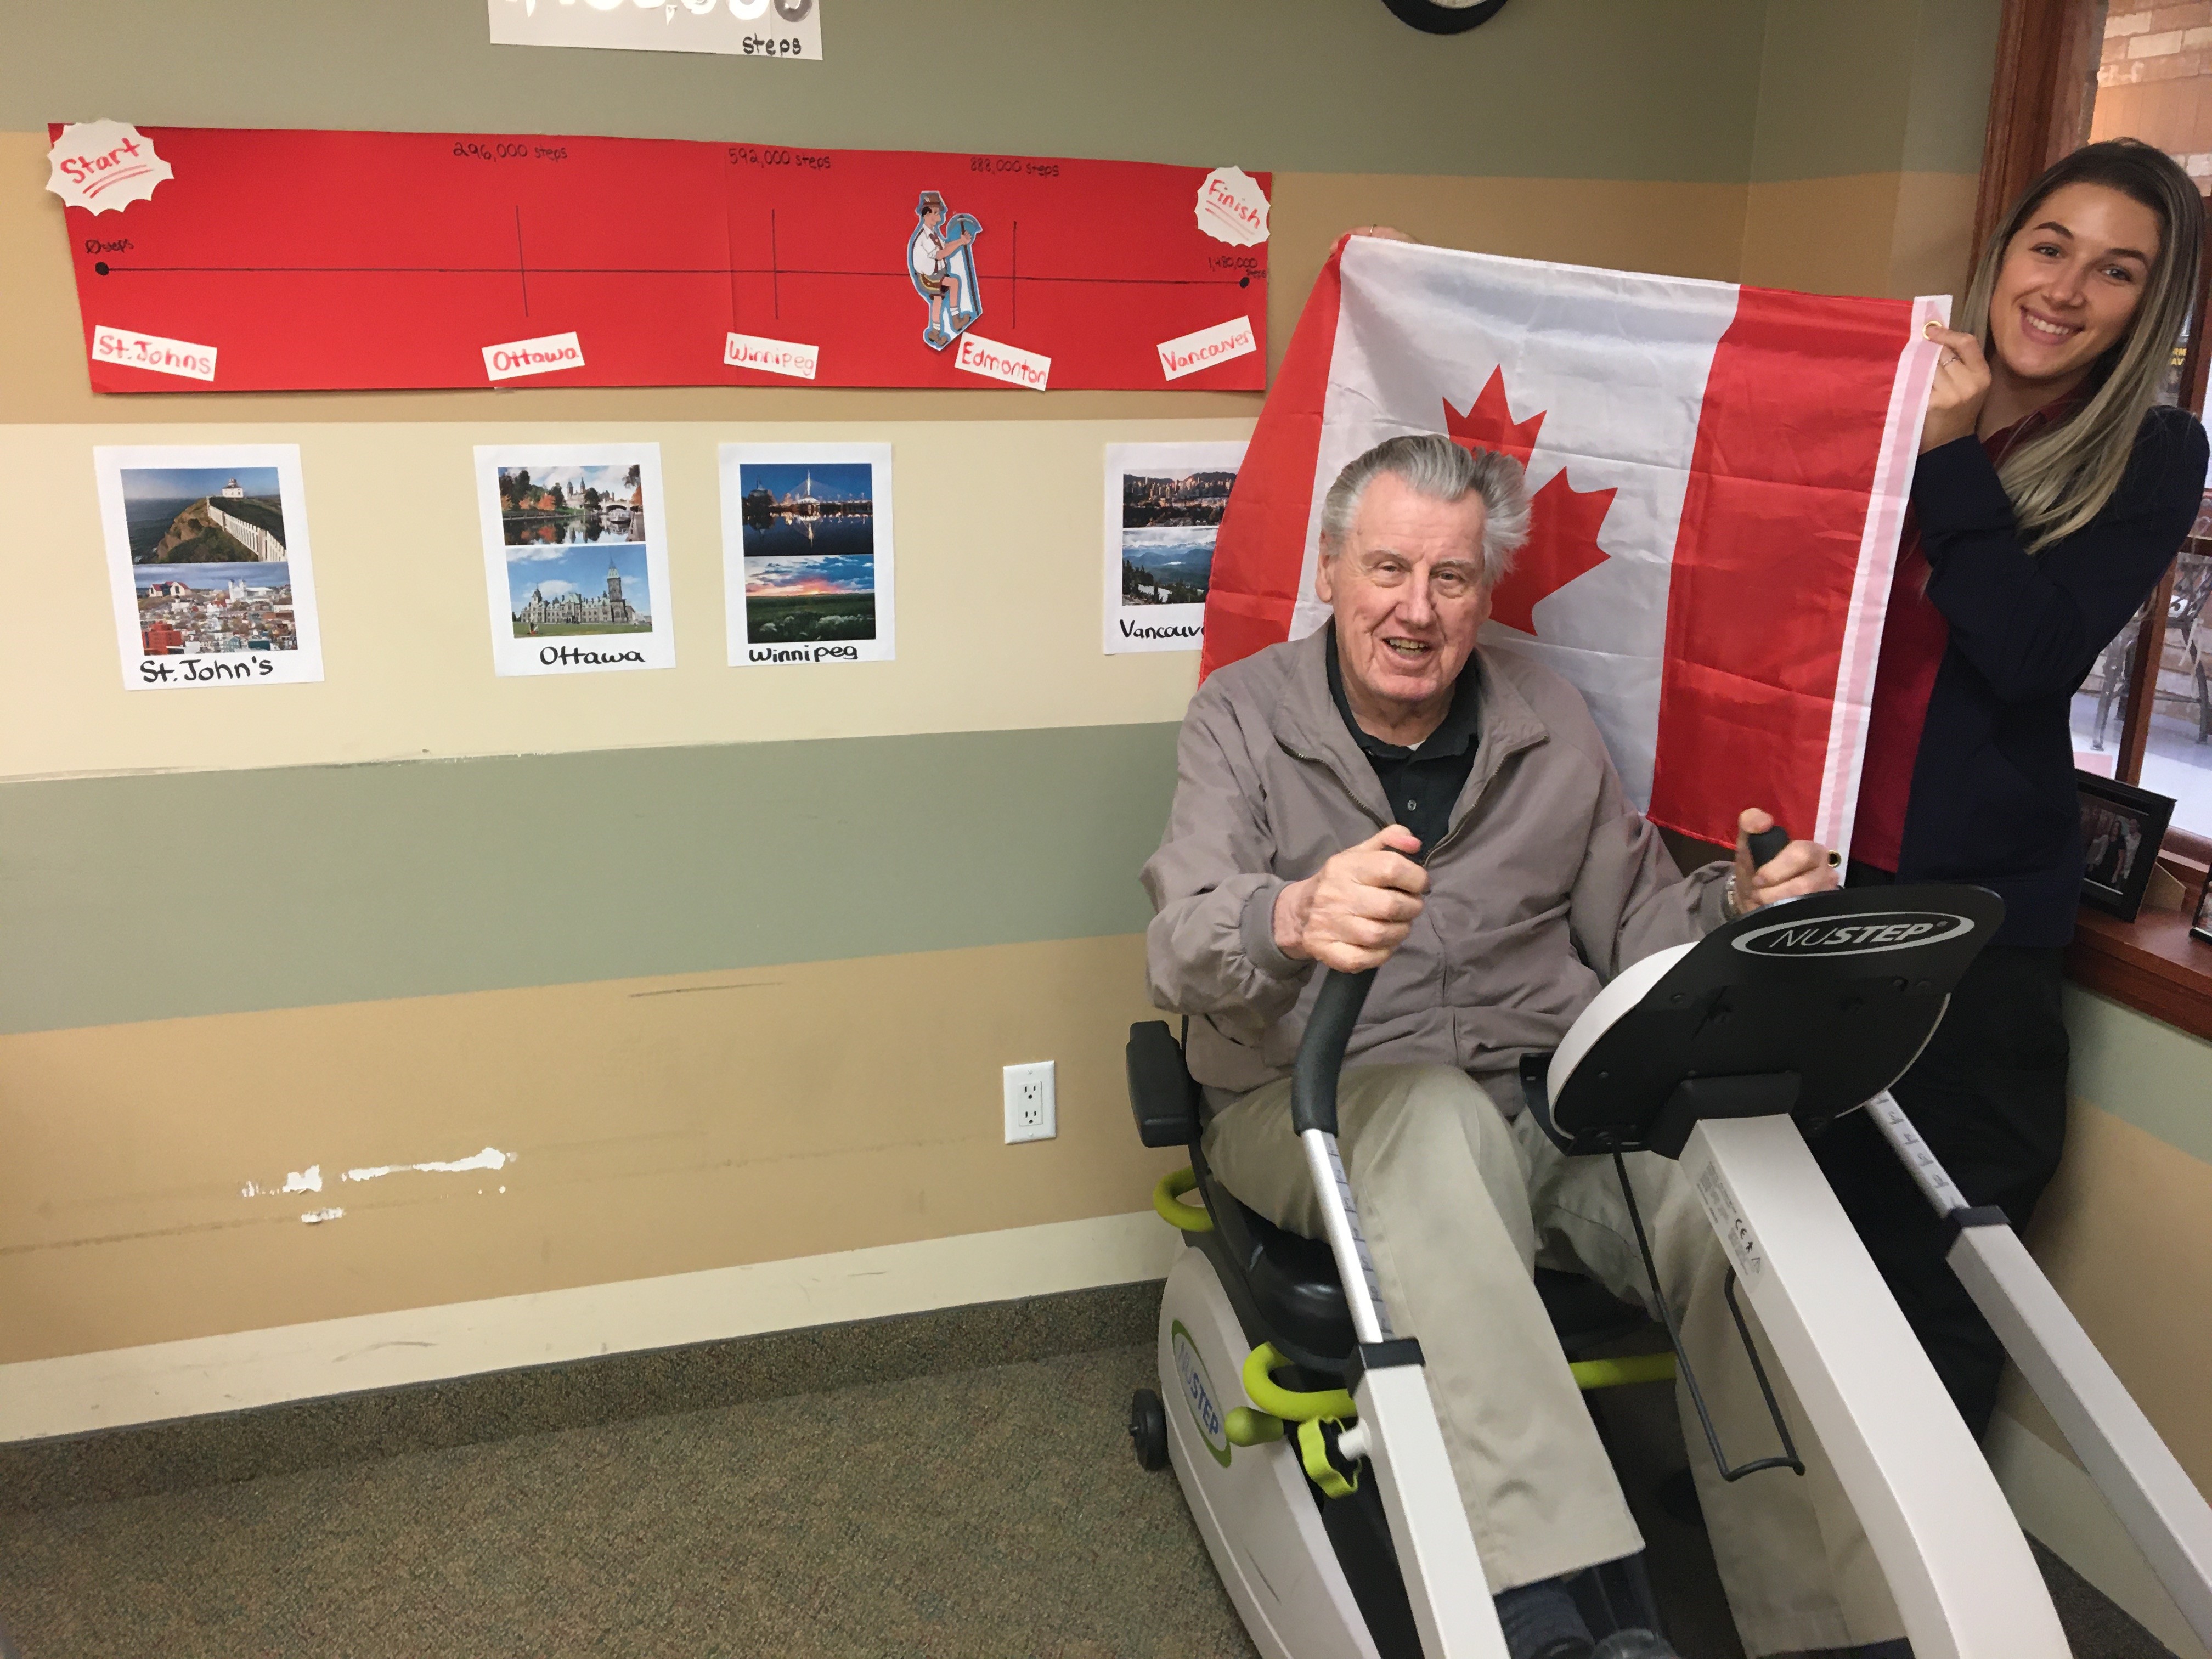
[2154, 80]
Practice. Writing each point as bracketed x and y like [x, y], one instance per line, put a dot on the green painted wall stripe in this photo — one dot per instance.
[2142, 1070]
[1550, 88]
[1875, 86]
[137, 898]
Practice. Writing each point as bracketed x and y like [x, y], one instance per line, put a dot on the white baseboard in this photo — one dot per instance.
[161, 1380]
[2059, 1504]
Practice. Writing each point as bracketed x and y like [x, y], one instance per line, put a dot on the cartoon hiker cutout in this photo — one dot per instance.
[940, 258]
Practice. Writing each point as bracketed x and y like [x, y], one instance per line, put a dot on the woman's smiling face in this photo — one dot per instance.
[2070, 283]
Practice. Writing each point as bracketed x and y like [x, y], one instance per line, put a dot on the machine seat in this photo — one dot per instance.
[1296, 1301]
[1285, 1287]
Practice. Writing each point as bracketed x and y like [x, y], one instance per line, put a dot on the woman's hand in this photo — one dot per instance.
[1962, 383]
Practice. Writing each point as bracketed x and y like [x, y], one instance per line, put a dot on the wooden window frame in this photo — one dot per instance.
[2042, 99]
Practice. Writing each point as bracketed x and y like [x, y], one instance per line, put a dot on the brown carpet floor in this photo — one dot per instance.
[987, 1512]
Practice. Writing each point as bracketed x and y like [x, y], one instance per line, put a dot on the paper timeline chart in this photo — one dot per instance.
[298, 260]
[208, 565]
[807, 554]
[575, 545]
[1163, 510]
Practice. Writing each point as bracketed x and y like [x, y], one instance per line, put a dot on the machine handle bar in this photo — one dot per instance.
[1766, 846]
[1320, 1051]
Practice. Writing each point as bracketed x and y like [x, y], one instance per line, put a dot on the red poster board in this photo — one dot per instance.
[319, 261]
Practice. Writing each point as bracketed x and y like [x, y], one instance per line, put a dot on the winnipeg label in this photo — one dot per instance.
[771, 356]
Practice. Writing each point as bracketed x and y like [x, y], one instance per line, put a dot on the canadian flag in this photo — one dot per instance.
[1718, 479]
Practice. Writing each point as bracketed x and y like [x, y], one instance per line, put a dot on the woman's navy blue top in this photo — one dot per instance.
[1993, 797]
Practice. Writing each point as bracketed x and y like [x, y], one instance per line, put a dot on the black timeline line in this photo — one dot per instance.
[521, 265]
[775, 278]
[628, 271]
[1014, 281]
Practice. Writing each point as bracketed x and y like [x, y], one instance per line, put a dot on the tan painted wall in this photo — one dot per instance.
[2125, 1233]
[1895, 234]
[661, 1126]
[1000, 561]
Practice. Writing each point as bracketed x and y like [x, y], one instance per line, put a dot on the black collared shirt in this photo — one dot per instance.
[1422, 783]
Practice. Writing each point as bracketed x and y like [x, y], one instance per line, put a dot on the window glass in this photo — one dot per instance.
[2155, 83]
[2178, 754]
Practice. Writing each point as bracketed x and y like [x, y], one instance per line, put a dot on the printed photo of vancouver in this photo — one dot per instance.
[1168, 521]
[809, 552]
[207, 553]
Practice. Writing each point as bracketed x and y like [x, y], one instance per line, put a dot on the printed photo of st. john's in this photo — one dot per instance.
[203, 514]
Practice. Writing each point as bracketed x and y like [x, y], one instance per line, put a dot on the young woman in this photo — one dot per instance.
[2050, 495]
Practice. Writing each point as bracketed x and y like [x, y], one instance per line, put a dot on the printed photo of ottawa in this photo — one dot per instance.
[567, 589]
[809, 552]
[552, 506]
[1168, 521]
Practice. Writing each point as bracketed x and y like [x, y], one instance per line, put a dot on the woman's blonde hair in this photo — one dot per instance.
[2062, 476]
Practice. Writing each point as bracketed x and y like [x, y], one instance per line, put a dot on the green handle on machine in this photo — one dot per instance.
[1191, 1217]
[1313, 1455]
[1619, 1373]
[1246, 1427]
[1289, 1404]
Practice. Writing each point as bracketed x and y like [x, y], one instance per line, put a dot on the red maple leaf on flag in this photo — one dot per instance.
[1563, 521]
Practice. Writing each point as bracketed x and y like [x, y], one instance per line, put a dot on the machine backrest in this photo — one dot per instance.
[1162, 1091]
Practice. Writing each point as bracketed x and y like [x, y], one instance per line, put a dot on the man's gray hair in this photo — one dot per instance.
[1429, 463]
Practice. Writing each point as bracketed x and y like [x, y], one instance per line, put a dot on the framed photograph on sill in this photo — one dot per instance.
[2121, 829]
[2200, 925]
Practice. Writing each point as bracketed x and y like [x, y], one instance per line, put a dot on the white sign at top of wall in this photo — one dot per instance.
[741, 28]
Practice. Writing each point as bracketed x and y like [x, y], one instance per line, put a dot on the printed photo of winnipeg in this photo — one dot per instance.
[810, 551]
[554, 506]
[207, 556]
[1168, 521]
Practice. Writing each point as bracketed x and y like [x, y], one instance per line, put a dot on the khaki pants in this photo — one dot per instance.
[1458, 1205]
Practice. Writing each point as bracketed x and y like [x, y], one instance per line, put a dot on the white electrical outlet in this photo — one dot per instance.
[1030, 1115]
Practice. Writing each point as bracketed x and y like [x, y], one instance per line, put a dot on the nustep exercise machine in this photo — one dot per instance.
[1298, 1420]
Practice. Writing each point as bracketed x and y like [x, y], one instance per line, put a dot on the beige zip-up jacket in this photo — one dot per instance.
[1545, 884]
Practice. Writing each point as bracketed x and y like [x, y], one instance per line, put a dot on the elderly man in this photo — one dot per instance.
[1384, 793]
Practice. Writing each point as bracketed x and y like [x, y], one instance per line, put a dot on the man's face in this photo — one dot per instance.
[1408, 590]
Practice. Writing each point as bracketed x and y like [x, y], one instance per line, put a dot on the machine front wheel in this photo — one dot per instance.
[1148, 1430]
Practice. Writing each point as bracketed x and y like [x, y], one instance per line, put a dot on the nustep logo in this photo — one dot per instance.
[1858, 935]
[1198, 1393]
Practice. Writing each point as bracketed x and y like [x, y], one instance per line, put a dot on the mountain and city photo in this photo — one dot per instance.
[1168, 521]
